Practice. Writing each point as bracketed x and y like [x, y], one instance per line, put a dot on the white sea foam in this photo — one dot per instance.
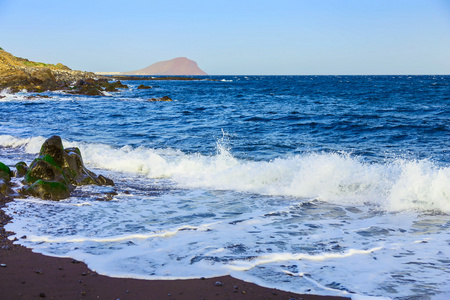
[29, 145]
[316, 248]
[336, 178]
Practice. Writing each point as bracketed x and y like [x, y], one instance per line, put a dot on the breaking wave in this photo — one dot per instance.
[340, 178]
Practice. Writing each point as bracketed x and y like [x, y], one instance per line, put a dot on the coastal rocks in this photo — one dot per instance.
[53, 175]
[144, 87]
[95, 87]
[21, 169]
[48, 190]
[165, 98]
[18, 74]
[5, 171]
[87, 87]
[114, 86]
[6, 192]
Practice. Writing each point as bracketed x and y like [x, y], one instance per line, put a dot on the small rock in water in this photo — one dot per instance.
[218, 283]
[42, 295]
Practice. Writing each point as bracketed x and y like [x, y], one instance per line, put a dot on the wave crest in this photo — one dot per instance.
[338, 178]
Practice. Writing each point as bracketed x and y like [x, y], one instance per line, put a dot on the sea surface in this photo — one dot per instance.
[332, 185]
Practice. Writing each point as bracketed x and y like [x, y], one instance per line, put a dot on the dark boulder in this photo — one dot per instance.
[54, 148]
[144, 87]
[119, 85]
[5, 171]
[21, 169]
[76, 171]
[46, 169]
[56, 167]
[87, 87]
[48, 190]
[6, 192]
[95, 87]
[165, 98]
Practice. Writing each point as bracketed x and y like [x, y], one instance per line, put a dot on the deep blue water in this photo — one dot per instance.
[263, 116]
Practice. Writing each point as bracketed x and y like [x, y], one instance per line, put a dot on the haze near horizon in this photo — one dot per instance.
[287, 37]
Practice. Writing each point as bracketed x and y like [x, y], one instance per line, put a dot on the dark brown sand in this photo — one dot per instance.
[28, 275]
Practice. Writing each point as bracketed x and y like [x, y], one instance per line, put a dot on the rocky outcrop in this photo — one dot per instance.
[17, 74]
[53, 175]
[165, 98]
[144, 87]
[56, 172]
[6, 192]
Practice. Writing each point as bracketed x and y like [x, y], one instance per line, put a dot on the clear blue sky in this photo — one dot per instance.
[234, 37]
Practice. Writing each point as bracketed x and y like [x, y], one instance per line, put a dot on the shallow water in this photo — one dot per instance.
[328, 185]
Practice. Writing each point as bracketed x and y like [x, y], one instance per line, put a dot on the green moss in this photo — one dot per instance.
[52, 185]
[48, 158]
[29, 178]
[40, 64]
[5, 168]
[35, 64]
[21, 168]
[49, 190]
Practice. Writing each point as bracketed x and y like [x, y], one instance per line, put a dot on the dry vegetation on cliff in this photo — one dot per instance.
[17, 74]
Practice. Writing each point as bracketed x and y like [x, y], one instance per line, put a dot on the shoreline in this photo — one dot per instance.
[29, 275]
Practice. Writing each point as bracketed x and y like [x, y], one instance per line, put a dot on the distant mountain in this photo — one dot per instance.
[176, 66]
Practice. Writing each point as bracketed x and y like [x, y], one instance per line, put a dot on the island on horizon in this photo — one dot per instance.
[177, 66]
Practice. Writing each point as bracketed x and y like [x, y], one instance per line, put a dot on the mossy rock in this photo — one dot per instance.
[56, 171]
[54, 148]
[5, 172]
[119, 85]
[111, 88]
[21, 169]
[48, 190]
[6, 193]
[165, 98]
[5, 177]
[50, 160]
[5, 169]
[41, 169]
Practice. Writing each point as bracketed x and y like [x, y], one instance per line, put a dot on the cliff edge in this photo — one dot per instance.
[17, 74]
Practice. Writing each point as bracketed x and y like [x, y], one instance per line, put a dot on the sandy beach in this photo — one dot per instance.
[28, 275]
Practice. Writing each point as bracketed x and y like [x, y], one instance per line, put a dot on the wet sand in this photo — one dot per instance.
[28, 275]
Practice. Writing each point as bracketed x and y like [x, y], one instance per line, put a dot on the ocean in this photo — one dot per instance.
[332, 185]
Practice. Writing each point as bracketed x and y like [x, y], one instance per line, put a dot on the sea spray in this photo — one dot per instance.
[338, 178]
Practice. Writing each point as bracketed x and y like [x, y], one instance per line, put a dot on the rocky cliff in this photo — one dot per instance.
[18, 74]
[176, 66]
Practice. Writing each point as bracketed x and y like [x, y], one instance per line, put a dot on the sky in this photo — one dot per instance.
[234, 37]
